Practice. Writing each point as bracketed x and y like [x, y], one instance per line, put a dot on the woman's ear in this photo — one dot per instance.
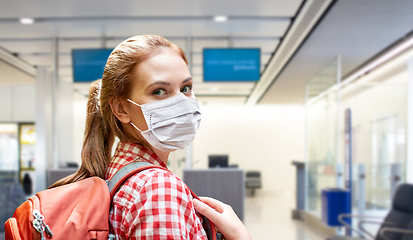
[118, 109]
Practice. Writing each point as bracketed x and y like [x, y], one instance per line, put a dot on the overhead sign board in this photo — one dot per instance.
[88, 64]
[231, 64]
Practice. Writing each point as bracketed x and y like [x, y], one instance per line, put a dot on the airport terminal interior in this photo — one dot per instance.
[306, 105]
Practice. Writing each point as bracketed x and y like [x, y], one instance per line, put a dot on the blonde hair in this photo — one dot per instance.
[101, 124]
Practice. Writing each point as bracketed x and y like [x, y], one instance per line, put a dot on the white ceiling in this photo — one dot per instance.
[95, 24]
[355, 30]
[82, 8]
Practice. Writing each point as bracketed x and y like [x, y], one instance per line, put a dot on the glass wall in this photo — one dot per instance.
[322, 149]
[378, 104]
[379, 135]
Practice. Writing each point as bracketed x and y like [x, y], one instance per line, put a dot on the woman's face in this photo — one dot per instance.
[163, 75]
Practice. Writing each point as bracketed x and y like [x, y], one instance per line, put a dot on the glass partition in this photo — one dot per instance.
[378, 104]
[379, 135]
[321, 134]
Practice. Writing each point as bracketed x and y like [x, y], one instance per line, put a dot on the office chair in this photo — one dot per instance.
[398, 223]
[253, 180]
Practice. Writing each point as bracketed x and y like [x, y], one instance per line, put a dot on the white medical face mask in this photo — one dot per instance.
[172, 123]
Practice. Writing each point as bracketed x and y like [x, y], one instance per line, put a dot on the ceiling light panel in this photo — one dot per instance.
[26, 21]
[220, 18]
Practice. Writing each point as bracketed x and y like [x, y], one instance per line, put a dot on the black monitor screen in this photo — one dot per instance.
[216, 161]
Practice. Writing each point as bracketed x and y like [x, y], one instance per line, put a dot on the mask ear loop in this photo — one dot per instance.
[135, 127]
[134, 102]
[131, 121]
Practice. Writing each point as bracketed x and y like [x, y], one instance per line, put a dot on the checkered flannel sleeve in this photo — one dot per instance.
[155, 204]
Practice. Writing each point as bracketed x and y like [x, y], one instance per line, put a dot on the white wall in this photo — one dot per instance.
[79, 118]
[265, 138]
[17, 103]
[65, 123]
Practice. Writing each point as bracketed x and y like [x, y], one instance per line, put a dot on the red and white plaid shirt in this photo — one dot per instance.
[153, 204]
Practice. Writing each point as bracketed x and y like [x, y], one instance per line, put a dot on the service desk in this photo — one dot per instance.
[224, 184]
[53, 175]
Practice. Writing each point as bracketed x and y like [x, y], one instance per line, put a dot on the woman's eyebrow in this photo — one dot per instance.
[158, 82]
[188, 79]
[166, 83]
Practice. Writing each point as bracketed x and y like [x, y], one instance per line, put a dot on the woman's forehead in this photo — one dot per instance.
[164, 59]
[164, 65]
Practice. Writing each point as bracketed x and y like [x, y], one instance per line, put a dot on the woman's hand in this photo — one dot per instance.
[223, 217]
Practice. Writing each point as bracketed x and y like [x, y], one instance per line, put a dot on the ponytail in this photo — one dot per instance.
[97, 142]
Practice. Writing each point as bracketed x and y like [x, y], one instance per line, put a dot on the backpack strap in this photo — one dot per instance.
[134, 167]
[126, 172]
[209, 227]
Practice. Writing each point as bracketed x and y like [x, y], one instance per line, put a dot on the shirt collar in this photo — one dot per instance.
[135, 151]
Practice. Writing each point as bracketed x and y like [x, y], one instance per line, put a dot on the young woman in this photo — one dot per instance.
[145, 99]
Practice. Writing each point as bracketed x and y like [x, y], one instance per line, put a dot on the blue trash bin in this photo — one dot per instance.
[335, 201]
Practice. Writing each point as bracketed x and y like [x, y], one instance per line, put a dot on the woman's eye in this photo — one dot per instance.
[186, 89]
[159, 92]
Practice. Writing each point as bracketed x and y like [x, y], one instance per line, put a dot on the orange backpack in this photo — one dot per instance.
[76, 210]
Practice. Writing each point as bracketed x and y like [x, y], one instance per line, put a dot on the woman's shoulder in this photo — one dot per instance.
[150, 182]
[152, 175]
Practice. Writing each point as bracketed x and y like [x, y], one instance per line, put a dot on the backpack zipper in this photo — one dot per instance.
[40, 225]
